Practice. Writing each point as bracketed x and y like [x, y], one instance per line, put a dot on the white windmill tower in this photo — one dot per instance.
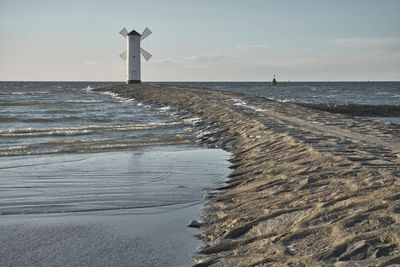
[132, 54]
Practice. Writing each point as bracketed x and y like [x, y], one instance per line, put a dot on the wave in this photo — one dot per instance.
[240, 102]
[11, 148]
[118, 98]
[61, 111]
[88, 88]
[81, 141]
[83, 101]
[30, 103]
[35, 132]
[356, 109]
[49, 132]
[5, 118]
[170, 140]
[24, 93]
[89, 146]
[56, 119]
[44, 120]
[50, 103]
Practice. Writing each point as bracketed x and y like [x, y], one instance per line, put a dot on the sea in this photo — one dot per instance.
[374, 100]
[80, 167]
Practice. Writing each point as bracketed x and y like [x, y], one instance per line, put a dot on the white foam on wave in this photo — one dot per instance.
[193, 120]
[83, 101]
[91, 145]
[166, 108]
[53, 132]
[143, 105]
[288, 100]
[13, 148]
[88, 88]
[123, 100]
[26, 93]
[30, 132]
[205, 132]
[242, 103]
[118, 98]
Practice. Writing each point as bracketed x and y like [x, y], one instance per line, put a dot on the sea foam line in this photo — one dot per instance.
[84, 129]
[168, 140]
[242, 103]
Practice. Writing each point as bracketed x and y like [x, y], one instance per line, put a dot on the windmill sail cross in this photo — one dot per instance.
[132, 54]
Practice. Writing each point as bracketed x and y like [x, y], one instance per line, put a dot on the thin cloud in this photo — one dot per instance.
[362, 42]
[204, 58]
[251, 46]
[191, 59]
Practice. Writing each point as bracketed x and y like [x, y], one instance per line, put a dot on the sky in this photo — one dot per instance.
[207, 40]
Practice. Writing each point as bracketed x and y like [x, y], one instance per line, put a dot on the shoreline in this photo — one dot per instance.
[308, 187]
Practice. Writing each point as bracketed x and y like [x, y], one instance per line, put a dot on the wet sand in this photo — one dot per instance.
[117, 208]
[136, 237]
[308, 187]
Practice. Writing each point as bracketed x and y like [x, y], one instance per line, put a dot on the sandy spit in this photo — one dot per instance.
[308, 187]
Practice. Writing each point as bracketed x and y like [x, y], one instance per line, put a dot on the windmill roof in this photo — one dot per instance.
[133, 33]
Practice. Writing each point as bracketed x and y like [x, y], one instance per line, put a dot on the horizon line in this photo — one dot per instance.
[196, 81]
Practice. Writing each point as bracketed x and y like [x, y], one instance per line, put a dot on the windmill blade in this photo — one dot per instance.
[145, 33]
[123, 32]
[123, 55]
[145, 54]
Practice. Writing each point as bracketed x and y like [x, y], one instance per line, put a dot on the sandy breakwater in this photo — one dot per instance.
[308, 187]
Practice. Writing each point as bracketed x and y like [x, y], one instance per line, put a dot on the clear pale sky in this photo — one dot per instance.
[207, 40]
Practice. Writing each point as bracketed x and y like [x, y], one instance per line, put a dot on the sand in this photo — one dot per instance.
[308, 187]
[155, 236]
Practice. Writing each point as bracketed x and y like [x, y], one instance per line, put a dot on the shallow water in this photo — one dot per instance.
[124, 208]
[147, 177]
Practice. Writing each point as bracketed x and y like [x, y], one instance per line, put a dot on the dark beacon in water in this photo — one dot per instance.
[274, 81]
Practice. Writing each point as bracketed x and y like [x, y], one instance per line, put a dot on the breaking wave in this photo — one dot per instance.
[32, 132]
[50, 103]
[90, 145]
